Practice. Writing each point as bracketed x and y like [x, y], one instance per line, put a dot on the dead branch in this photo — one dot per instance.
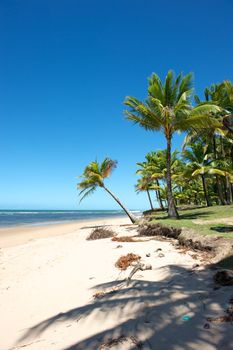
[139, 266]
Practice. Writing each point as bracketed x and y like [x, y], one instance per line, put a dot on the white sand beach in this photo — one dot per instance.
[50, 274]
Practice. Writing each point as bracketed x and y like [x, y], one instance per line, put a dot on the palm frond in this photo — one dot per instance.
[146, 123]
[186, 84]
[200, 117]
[86, 192]
[155, 88]
[168, 89]
[107, 167]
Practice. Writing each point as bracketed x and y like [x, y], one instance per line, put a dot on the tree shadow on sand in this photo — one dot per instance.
[169, 314]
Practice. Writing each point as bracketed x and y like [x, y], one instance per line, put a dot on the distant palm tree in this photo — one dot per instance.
[222, 95]
[93, 177]
[168, 108]
[200, 164]
[144, 184]
[155, 169]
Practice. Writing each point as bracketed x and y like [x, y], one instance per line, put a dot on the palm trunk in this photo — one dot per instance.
[208, 202]
[131, 217]
[159, 196]
[149, 197]
[220, 193]
[227, 184]
[195, 199]
[228, 191]
[172, 211]
[219, 187]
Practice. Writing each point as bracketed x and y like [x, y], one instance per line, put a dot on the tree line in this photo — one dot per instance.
[202, 172]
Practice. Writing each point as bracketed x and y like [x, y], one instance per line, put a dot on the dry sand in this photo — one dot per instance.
[47, 286]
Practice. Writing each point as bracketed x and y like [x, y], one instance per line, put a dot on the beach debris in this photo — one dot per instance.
[158, 230]
[206, 326]
[186, 318]
[161, 255]
[148, 255]
[120, 340]
[100, 233]
[123, 239]
[99, 295]
[220, 319]
[195, 266]
[158, 250]
[224, 277]
[139, 266]
[119, 246]
[226, 318]
[203, 255]
[126, 260]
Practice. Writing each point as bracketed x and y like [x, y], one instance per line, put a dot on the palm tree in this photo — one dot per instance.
[155, 169]
[168, 108]
[201, 164]
[144, 184]
[152, 174]
[94, 175]
[222, 95]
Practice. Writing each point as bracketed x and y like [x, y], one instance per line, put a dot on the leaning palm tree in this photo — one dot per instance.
[168, 108]
[93, 177]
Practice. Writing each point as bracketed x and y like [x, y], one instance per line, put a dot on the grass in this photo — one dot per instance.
[188, 217]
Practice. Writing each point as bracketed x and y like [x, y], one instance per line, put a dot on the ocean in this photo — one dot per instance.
[10, 218]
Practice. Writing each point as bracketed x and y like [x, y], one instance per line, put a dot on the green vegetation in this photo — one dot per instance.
[168, 108]
[201, 173]
[188, 217]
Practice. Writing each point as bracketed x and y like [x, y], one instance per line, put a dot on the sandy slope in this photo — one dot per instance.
[47, 287]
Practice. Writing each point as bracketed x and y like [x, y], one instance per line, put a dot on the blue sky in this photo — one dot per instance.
[65, 69]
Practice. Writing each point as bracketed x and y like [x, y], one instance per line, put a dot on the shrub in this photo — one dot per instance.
[158, 230]
[100, 233]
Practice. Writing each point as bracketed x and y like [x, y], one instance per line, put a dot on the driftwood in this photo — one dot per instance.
[140, 266]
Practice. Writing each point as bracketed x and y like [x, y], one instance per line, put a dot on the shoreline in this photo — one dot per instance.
[21, 234]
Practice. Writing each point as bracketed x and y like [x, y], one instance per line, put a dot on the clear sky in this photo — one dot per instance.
[65, 69]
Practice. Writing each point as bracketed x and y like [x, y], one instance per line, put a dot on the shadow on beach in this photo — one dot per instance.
[168, 314]
[186, 216]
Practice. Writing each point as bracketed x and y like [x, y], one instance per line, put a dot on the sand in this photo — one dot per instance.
[48, 283]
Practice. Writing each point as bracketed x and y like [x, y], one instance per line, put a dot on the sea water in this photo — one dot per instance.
[10, 218]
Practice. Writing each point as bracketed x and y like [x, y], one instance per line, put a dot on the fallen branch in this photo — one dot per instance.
[139, 266]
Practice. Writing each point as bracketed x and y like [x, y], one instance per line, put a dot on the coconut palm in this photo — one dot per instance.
[211, 137]
[220, 139]
[94, 175]
[144, 185]
[155, 170]
[147, 171]
[168, 108]
[201, 164]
